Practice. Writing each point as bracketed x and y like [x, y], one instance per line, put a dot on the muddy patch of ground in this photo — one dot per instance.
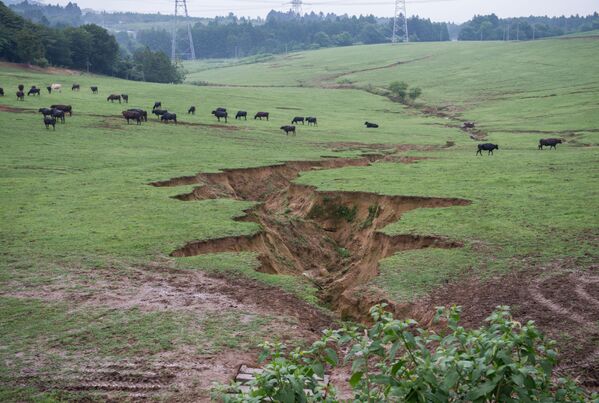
[183, 373]
[563, 303]
[332, 238]
[11, 109]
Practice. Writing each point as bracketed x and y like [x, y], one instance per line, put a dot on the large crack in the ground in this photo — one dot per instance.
[333, 238]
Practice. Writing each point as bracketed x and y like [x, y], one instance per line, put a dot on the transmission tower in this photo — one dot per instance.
[181, 8]
[296, 6]
[400, 8]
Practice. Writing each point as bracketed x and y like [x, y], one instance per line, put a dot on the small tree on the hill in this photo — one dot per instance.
[396, 361]
[414, 93]
[399, 89]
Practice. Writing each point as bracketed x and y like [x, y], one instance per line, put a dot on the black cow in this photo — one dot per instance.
[114, 97]
[487, 147]
[65, 108]
[241, 114]
[468, 125]
[75, 87]
[132, 115]
[21, 87]
[49, 88]
[312, 121]
[261, 115]
[144, 114]
[288, 129]
[94, 89]
[45, 111]
[169, 116]
[159, 112]
[50, 121]
[191, 110]
[221, 114]
[298, 119]
[125, 98]
[157, 105]
[551, 143]
[34, 91]
[1, 92]
[371, 125]
[20, 96]
[221, 109]
[58, 114]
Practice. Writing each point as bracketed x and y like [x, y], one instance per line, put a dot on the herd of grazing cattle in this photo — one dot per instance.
[56, 113]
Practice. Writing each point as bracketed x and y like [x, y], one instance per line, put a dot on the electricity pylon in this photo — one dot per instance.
[400, 7]
[296, 6]
[181, 5]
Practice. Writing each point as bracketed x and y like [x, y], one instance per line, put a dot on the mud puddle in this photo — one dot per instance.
[332, 238]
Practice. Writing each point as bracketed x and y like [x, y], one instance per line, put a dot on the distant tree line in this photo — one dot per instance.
[493, 28]
[87, 47]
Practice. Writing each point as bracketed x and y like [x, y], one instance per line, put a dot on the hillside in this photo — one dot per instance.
[151, 260]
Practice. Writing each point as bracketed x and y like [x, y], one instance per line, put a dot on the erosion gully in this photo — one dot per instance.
[331, 237]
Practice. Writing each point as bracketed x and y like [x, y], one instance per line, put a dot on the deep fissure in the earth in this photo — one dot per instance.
[331, 237]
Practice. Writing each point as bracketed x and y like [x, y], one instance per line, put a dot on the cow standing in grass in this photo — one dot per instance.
[219, 113]
[312, 121]
[487, 147]
[288, 129]
[241, 114]
[34, 91]
[191, 110]
[551, 143]
[144, 114]
[157, 105]
[261, 115]
[56, 87]
[65, 108]
[50, 121]
[132, 115]
[45, 111]
[1, 92]
[58, 114]
[298, 119]
[159, 112]
[20, 96]
[168, 117]
[49, 88]
[125, 98]
[94, 89]
[114, 97]
[75, 87]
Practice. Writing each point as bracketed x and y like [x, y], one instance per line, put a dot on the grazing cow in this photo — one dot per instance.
[159, 112]
[241, 114]
[58, 114]
[288, 129]
[551, 143]
[371, 125]
[157, 105]
[312, 121]
[75, 87]
[261, 115]
[221, 109]
[45, 111]
[298, 119]
[49, 88]
[21, 87]
[34, 91]
[1, 92]
[94, 89]
[468, 125]
[125, 98]
[20, 96]
[143, 114]
[169, 116]
[132, 115]
[191, 110]
[487, 147]
[221, 114]
[50, 121]
[64, 108]
[56, 87]
[114, 97]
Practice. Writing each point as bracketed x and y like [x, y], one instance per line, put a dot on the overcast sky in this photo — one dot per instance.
[438, 10]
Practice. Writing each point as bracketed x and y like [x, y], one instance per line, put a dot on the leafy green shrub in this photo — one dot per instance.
[399, 89]
[396, 361]
[414, 93]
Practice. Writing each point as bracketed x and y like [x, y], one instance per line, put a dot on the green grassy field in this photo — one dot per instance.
[78, 216]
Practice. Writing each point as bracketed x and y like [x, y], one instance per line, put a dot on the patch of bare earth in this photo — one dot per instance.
[562, 300]
[183, 374]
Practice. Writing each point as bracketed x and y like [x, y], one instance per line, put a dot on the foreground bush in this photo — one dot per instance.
[396, 361]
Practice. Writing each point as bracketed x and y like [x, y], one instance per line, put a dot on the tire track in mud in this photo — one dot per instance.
[333, 238]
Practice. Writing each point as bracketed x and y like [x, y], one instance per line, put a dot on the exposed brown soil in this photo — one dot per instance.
[563, 303]
[183, 374]
[6, 108]
[332, 238]
[38, 69]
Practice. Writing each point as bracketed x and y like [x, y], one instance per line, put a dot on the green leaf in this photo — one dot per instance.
[331, 356]
[355, 379]
[318, 368]
[482, 390]
[451, 379]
